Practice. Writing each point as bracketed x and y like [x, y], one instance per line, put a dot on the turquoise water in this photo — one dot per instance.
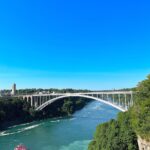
[72, 133]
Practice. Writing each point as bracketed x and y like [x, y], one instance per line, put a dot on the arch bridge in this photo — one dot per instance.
[120, 100]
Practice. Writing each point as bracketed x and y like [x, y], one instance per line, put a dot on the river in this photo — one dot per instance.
[73, 133]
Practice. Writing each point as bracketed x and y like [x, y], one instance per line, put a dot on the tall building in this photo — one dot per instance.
[13, 92]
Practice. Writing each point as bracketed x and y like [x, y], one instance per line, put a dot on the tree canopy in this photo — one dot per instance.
[121, 134]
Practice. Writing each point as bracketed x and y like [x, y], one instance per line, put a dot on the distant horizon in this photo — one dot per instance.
[67, 89]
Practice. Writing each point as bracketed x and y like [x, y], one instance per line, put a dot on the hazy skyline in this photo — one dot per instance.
[74, 44]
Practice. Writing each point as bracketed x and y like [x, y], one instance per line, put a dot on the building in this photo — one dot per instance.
[13, 92]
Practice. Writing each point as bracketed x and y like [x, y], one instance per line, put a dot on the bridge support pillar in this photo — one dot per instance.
[36, 102]
[113, 98]
[119, 99]
[40, 101]
[31, 101]
[131, 99]
[107, 97]
[125, 96]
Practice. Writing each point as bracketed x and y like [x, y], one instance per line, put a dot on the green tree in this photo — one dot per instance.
[121, 134]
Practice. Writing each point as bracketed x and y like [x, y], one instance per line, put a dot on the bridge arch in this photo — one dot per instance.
[82, 96]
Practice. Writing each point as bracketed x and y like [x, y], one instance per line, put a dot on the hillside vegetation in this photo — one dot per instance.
[15, 111]
[121, 134]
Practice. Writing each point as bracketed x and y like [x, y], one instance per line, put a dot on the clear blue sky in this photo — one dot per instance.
[92, 44]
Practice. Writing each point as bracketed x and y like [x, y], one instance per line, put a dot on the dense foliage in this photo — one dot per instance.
[140, 112]
[13, 110]
[16, 111]
[115, 135]
[121, 134]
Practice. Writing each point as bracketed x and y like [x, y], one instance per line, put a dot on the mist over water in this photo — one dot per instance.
[73, 133]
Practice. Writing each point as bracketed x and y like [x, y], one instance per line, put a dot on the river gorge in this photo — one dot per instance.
[71, 133]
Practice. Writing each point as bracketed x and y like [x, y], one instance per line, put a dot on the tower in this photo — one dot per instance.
[13, 92]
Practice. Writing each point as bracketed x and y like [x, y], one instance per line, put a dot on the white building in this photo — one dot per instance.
[13, 92]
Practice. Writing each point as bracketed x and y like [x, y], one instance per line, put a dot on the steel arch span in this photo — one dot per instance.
[41, 107]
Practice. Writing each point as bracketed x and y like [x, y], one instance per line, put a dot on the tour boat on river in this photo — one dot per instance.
[20, 147]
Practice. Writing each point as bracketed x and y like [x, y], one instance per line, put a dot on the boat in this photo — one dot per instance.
[20, 147]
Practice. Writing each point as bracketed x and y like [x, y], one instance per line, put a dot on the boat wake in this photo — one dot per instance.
[55, 121]
[9, 132]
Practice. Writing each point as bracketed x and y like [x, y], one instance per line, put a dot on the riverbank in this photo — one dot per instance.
[16, 111]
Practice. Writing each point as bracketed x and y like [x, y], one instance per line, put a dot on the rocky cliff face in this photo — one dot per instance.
[143, 144]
